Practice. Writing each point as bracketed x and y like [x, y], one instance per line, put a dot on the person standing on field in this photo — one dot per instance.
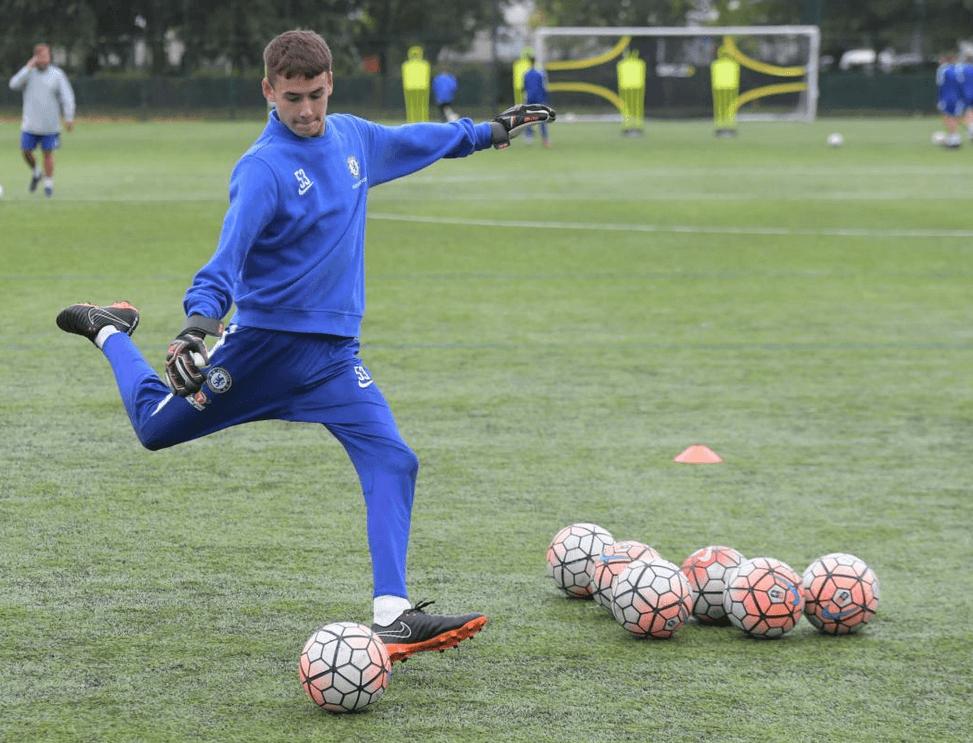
[444, 87]
[949, 97]
[291, 259]
[535, 91]
[967, 86]
[47, 98]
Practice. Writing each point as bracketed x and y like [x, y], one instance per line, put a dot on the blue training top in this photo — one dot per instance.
[444, 87]
[534, 89]
[291, 254]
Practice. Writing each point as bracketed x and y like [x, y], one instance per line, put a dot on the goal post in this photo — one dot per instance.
[778, 69]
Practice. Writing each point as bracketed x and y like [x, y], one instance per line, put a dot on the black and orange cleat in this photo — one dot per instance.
[87, 319]
[414, 631]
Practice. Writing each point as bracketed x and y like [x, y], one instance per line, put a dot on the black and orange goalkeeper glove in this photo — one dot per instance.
[516, 119]
[188, 357]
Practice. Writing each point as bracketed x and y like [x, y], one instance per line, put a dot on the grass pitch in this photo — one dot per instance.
[551, 328]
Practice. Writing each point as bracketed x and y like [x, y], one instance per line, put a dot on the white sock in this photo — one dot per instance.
[104, 333]
[49, 183]
[386, 608]
[37, 172]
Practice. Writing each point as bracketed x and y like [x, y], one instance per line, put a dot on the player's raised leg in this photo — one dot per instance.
[158, 418]
[109, 328]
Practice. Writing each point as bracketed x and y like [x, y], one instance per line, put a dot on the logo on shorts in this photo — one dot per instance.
[199, 400]
[219, 380]
[364, 378]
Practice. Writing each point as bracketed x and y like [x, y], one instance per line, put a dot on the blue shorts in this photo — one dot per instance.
[48, 142]
[951, 106]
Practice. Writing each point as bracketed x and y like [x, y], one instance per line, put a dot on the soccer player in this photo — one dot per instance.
[535, 91]
[949, 87]
[444, 88]
[967, 86]
[47, 97]
[291, 258]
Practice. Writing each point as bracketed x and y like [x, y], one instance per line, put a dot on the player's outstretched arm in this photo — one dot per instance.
[516, 119]
[187, 356]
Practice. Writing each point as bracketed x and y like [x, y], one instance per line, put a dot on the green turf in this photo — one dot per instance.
[551, 327]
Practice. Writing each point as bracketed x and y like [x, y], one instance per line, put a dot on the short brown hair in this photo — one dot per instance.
[295, 53]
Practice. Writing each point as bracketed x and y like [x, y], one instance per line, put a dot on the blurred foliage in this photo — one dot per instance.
[926, 26]
[228, 37]
[216, 35]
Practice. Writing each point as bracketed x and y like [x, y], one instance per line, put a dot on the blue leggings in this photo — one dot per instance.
[263, 375]
[530, 130]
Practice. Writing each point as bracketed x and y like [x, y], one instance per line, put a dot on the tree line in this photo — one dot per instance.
[229, 35]
[930, 27]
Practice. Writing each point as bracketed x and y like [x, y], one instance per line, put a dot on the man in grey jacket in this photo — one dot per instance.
[47, 98]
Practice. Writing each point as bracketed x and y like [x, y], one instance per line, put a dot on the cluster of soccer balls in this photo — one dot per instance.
[345, 667]
[653, 597]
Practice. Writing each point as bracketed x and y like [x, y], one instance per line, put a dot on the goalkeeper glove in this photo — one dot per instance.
[187, 355]
[515, 119]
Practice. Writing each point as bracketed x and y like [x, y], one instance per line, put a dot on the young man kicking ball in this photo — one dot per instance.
[291, 258]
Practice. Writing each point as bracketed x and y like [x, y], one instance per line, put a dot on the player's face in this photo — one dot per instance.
[43, 56]
[302, 104]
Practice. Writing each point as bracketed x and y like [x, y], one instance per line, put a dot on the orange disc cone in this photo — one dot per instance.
[699, 454]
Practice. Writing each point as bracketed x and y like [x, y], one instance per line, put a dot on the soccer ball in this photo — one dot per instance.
[707, 571]
[764, 597]
[1, 192]
[652, 598]
[610, 563]
[939, 138]
[345, 667]
[571, 555]
[835, 140]
[840, 593]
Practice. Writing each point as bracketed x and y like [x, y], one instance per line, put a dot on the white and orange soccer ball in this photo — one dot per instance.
[707, 570]
[571, 556]
[652, 598]
[612, 561]
[345, 667]
[841, 593]
[764, 597]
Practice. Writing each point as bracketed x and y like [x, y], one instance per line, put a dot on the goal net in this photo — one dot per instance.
[778, 70]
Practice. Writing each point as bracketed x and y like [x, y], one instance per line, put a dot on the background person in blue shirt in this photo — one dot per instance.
[291, 258]
[535, 91]
[444, 87]
[950, 100]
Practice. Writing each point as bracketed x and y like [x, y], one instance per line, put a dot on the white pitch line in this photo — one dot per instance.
[694, 196]
[659, 229]
[438, 175]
